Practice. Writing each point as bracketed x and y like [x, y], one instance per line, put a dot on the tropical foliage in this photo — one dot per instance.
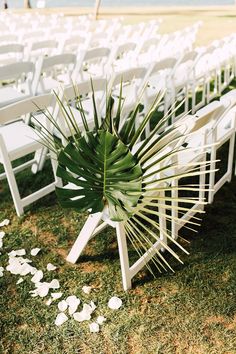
[114, 166]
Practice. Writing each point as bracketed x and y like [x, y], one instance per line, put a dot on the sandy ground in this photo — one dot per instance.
[217, 21]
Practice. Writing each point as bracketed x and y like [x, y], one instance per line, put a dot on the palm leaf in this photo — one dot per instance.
[99, 161]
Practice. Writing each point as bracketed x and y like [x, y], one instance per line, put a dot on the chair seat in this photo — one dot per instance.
[19, 139]
[9, 95]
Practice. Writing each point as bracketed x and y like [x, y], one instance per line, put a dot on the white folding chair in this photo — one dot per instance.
[159, 80]
[53, 72]
[123, 56]
[91, 63]
[17, 79]
[18, 140]
[69, 97]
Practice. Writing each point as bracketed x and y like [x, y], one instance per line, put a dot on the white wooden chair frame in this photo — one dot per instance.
[10, 114]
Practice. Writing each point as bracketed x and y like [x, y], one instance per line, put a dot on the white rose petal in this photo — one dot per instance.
[33, 270]
[48, 302]
[20, 252]
[1, 271]
[50, 267]
[101, 319]
[73, 303]
[92, 305]
[62, 305]
[114, 303]
[54, 284]
[94, 327]
[56, 296]
[25, 269]
[12, 254]
[37, 276]
[20, 280]
[35, 251]
[34, 293]
[1, 243]
[43, 289]
[60, 319]
[23, 260]
[86, 289]
[5, 223]
[82, 316]
[2, 234]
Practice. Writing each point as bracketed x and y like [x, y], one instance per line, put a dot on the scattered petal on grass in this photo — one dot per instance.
[5, 223]
[34, 293]
[82, 316]
[2, 234]
[1, 271]
[60, 319]
[49, 301]
[12, 254]
[114, 303]
[101, 319]
[56, 296]
[54, 284]
[20, 252]
[62, 305]
[86, 289]
[42, 289]
[38, 276]
[73, 303]
[35, 251]
[94, 327]
[20, 280]
[50, 267]
[92, 305]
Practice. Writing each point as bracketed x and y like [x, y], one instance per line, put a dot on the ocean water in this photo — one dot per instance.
[84, 3]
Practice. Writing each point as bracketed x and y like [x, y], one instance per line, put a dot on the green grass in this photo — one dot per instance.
[189, 312]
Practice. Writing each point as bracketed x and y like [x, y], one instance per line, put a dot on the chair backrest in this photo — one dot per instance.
[50, 43]
[16, 70]
[128, 76]
[11, 48]
[168, 63]
[83, 90]
[53, 66]
[21, 108]
[96, 53]
[60, 59]
[207, 115]
[8, 38]
[40, 48]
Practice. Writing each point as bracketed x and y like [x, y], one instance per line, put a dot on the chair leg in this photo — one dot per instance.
[13, 186]
[230, 157]
[84, 236]
[212, 176]
[40, 157]
[124, 258]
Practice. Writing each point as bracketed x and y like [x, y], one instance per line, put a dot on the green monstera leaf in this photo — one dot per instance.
[104, 172]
